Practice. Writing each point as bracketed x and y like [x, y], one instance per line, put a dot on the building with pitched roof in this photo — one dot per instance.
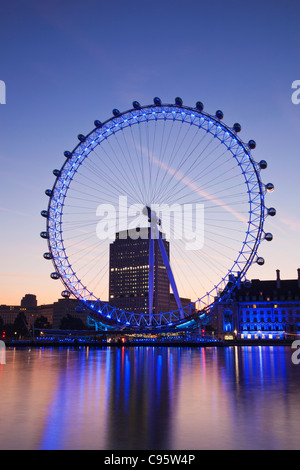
[261, 309]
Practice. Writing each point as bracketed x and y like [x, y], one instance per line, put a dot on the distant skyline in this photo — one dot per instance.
[67, 63]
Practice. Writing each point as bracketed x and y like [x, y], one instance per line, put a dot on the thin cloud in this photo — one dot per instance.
[178, 175]
[10, 211]
[291, 223]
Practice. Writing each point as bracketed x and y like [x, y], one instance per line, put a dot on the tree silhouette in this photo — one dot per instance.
[21, 325]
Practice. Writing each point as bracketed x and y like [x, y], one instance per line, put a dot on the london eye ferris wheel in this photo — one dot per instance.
[181, 173]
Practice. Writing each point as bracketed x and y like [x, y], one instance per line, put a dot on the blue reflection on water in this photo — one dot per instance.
[174, 398]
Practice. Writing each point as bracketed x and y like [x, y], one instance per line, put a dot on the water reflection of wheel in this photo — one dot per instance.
[177, 160]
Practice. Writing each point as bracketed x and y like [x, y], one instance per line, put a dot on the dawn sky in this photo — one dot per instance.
[66, 63]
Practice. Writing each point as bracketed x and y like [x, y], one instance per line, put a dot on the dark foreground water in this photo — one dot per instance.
[150, 398]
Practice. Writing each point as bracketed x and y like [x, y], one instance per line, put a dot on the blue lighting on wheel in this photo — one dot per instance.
[120, 121]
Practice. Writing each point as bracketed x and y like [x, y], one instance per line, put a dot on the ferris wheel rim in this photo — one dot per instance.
[81, 151]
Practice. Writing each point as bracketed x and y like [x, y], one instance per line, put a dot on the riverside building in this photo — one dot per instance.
[264, 309]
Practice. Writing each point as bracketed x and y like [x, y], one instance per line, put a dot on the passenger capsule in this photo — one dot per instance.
[272, 211]
[136, 105]
[157, 101]
[260, 261]
[199, 106]
[56, 172]
[178, 101]
[48, 255]
[263, 164]
[270, 187]
[237, 127]
[44, 235]
[252, 144]
[65, 294]
[98, 124]
[55, 275]
[81, 137]
[44, 214]
[67, 154]
[219, 114]
[116, 112]
[268, 236]
[48, 192]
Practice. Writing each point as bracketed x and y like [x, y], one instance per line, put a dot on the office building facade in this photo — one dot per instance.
[129, 273]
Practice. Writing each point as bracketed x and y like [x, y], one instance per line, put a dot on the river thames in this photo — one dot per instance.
[150, 398]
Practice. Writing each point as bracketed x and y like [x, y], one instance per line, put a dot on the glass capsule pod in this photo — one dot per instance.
[54, 275]
[272, 211]
[270, 187]
[44, 235]
[178, 101]
[136, 105]
[263, 164]
[65, 294]
[237, 127]
[199, 106]
[268, 236]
